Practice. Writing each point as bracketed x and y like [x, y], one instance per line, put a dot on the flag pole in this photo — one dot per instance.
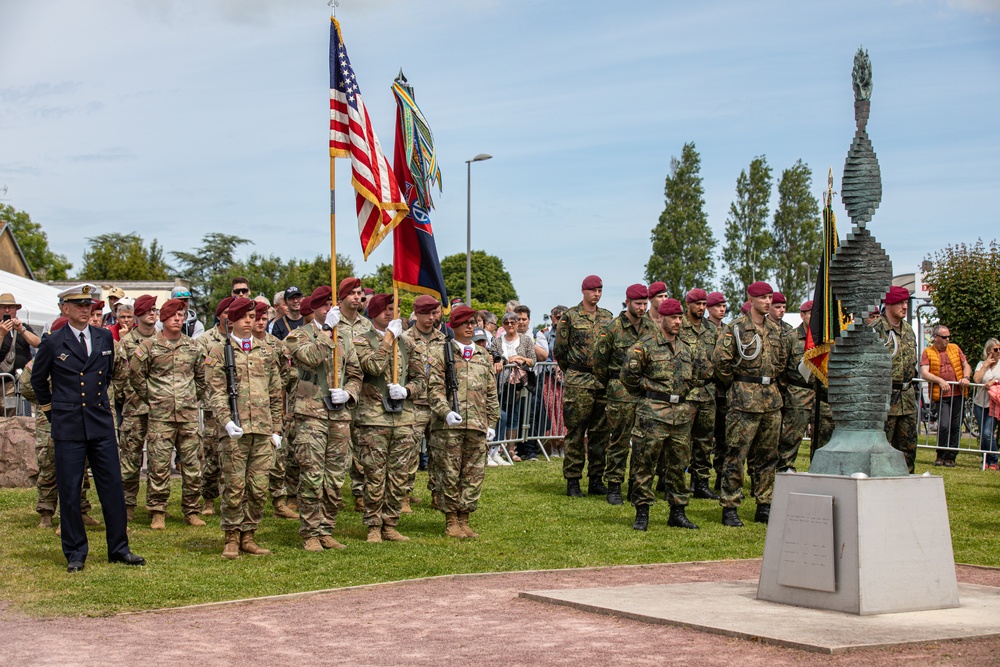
[333, 240]
[395, 341]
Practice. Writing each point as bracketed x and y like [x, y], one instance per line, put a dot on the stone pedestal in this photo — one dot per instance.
[865, 546]
[18, 463]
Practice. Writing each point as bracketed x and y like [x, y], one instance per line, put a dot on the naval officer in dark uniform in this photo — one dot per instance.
[71, 377]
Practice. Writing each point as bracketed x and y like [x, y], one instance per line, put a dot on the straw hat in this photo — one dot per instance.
[7, 299]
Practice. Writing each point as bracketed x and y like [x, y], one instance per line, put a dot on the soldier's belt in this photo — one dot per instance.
[901, 386]
[764, 380]
[579, 368]
[666, 398]
[800, 383]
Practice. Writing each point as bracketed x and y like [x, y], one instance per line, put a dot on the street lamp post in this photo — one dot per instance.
[468, 226]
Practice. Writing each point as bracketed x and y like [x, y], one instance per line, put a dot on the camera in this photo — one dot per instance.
[6, 318]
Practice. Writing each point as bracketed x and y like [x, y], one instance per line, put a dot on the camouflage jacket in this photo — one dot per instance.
[258, 387]
[424, 344]
[375, 356]
[617, 337]
[576, 338]
[120, 380]
[793, 396]
[903, 343]
[282, 357]
[168, 377]
[206, 342]
[348, 331]
[702, 344]
[656, 365]
[477, 389]
[311, 350]
[765, 344]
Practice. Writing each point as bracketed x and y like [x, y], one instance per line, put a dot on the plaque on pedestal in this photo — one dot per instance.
[807, 548]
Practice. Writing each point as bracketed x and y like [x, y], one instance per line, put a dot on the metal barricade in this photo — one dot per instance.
[531, 411]
[950, 417]
[14, 404]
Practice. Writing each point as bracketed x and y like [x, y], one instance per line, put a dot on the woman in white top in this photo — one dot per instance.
[987, 374]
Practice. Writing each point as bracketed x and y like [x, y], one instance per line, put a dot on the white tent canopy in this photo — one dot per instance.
[39, 302]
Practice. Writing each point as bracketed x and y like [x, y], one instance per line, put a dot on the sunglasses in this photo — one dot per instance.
[241, 291]
[944, 337]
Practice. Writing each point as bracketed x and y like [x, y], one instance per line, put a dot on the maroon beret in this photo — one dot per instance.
[591, 282]
[369, 291]
[425, 304]
[659, 287]
[378, 303]
[143, 304]
[238, 308]
[778, 298]
[59, 323]
[896, 294]
[745, 308]
[460, 315]
[806, 306]
[170, 308]
[347, 285]
[637, 291]
[320, 296]
[759, 288]
[307, 306]
[697, 294]
[260, 309]
[96, 306]
[222, 307]
[715, 298]
[670, 307]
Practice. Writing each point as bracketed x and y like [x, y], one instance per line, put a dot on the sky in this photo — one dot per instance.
[179, 118]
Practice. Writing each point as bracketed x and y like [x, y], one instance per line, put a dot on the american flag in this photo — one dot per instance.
[380, 203]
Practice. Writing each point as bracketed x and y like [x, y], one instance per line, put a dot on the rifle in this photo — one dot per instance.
[450, 379]
[232, 388]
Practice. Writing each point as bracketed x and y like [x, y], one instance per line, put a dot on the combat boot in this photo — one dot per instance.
[232, 549]
[89, 520]
[463, 523]
[678, 519]
[390, 533]
[59, 529]
[159, 520]
[451, 527]
[129, 513]
[614, 493]
[641, 517]
[359, 504]
[193, 520]
[208, 509]
[731, 517]
[46, 519]
[328, 542]
[404, 507]
[763, 513]
[596, 487]
[701, 490]
[374, 533]
[573, 488]
[312, 544]
[292, 503]
[248, 546]
[282, 510]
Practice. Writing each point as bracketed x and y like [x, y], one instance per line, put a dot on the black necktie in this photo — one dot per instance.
[83, 341]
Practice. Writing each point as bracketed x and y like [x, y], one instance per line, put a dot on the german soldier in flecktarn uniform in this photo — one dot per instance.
[247, 455]
[616, 339]
[583, 395]
[322, 419]
[898, 336]
[748, 359]
[458, 439]
[659, 371]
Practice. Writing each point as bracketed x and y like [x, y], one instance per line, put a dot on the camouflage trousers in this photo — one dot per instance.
[357, 469]
[586, 432]
[385, 458]
[719, 454]
[459, 468]
[130, 445]
[702, 432]
[323, 450]
[48, 492]
[245, 463]
[652, 440]
[901, 432]
[284, 478]
[421, 430]
[162, 439]
[752, 439]
[211, 471]
[794, 422]
[621, 417]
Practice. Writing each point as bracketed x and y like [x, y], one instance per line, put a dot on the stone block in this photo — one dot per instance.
[18, 464]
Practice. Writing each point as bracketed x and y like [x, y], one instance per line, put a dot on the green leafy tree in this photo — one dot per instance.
[490, 280]
[123, 257]
[798, 234]
[381, 280]
[34, 243]
[965, 291]
[215, 256]
[749, 250]
[683, 243]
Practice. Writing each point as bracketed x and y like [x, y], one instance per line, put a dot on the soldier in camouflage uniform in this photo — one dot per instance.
[353, 323]
[748, 359]
[323, 436]
[716, 306]
[798, 397]
[896, 332]
[701, 335]
[583, 395]
[167, 374]
[385, 438]
[458, 438]
[135, 413]
[616, 338]
[659, 370]
[247, 455]
[212, 433]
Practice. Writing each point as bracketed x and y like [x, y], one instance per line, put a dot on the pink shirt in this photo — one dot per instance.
[946, 372]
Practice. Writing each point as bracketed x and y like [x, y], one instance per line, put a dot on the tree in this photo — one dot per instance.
[798, 233]
[123, 257]
[490, 280]
[34, 243]
[215, 256]
[683, 243]
[966, 292]
[381, 280]
[748, 253]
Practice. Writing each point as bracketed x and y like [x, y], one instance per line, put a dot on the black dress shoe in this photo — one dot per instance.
[127, 559]
[75, 566]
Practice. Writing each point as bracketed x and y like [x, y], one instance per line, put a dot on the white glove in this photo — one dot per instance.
[339, 396]
[276, 439]
[397, 391]
[333, 317]
[490, 435]
[396, 327]
[453, 419]
[233, 430]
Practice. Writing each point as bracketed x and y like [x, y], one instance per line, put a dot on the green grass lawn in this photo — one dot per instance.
[525, 519]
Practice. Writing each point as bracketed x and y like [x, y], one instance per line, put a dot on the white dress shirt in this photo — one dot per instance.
[86, 336]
